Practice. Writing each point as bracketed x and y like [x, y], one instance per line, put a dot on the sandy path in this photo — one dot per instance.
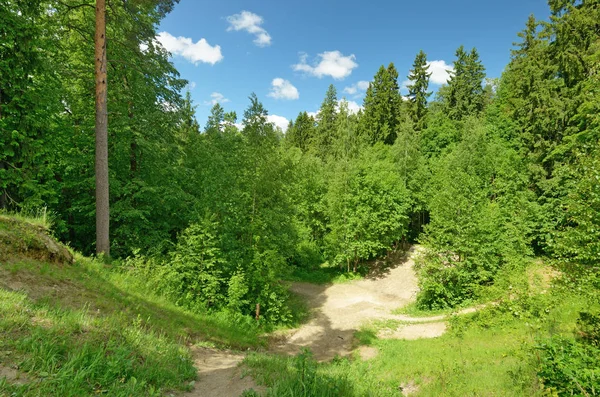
[340, 309]
[219, 374]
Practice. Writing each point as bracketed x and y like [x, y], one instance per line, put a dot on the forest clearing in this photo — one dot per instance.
[201, 199]
[73, 303]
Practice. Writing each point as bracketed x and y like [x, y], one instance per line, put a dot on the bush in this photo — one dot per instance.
[196, 275]
[571, 366]
[482, 216]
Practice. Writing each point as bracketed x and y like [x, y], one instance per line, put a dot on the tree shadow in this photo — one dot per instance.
[381, 267]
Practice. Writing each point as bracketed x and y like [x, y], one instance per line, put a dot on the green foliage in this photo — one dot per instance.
[302, 132]
[326, 121]
[194, 272]
[368, 206]
[28, 104]
[578, 236]
[223, 214]
[481, 218]
[417, 90]
[382, 107]
[465, 96]
[297, 376]
[568, 366]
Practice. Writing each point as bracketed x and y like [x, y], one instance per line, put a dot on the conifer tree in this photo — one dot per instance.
[325, 123]
[301, 132]
[215, 119]
[382, 106]
[417, 91]
[465, 95]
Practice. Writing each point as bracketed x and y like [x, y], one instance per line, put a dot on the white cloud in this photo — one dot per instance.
[357, 88]
[439, 72]
[353, 107]
[250, 22]
[283, 89]
[313, 114]
[329, 63]
[197, 52]
[279, 121]
[216, 97]
[190, 86]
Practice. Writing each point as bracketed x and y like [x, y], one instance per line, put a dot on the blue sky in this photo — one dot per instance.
[288, 52]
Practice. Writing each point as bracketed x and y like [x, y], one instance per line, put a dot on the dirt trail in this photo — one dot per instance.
[13, 376]
[340, 309]
[219, 374]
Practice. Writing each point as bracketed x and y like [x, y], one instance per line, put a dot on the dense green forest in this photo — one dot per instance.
[486, 174]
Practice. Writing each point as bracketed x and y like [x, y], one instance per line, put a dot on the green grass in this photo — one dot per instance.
[89, 328]
[74, 353]
[488, 353]
[36, 217]
[413, 310]
[485, 354]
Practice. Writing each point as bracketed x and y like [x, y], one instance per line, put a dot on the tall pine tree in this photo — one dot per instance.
[465, 95]
[417, 91]
[382, 107]
[326, 118]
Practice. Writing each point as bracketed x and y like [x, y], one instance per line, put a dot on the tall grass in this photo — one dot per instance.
[35, 216]
[71, 353]
[85, 328]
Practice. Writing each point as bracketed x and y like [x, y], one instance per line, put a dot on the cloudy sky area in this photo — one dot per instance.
[289, 52]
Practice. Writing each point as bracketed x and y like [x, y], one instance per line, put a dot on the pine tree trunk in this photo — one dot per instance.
[102, 203]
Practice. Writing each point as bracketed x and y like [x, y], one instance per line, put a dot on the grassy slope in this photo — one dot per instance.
[489, 353]
[82, 328]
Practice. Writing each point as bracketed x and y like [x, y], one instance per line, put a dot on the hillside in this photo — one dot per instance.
[73, 326]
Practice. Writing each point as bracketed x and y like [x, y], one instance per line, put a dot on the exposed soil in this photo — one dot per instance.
[13, 376]
[414, 331]
[340, 309]
[219, 374]
[367, 352]
[22, 240]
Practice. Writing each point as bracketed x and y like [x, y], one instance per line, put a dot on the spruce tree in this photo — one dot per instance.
[382, 106]
[321, 142]
[417, 91]
[215, 119]
[302, 131]
[465, 95]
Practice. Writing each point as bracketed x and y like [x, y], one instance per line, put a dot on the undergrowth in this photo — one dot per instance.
[72, 353]
[86, 328]
[529, 340]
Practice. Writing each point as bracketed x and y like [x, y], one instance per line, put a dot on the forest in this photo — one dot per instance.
[487, 175]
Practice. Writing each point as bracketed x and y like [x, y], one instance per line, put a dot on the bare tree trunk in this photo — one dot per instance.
[102, 203]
